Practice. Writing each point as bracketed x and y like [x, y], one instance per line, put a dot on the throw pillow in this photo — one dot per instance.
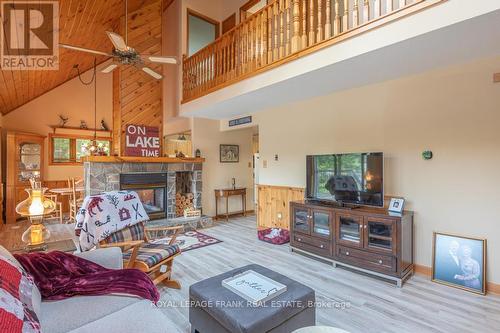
[16, 306]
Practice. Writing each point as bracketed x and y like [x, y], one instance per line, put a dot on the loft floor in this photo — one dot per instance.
[373, 305]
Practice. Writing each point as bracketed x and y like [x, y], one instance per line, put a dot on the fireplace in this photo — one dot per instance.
[152, 191]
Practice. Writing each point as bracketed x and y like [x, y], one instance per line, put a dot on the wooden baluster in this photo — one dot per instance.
[264, 38]
[245, 48]
[259, 40]
[366, 11]
[276, 31]
[355, 14]
[282, 28]
[288, 12]
[336, 24]
[311, 23]
[296, 26]
[377, 9]
[256, 33]
[253, 42]
[345, 18]
[319, 29]
[270, 34]
[303, 42]
[402, 3]
[328, 22]
[388, 6]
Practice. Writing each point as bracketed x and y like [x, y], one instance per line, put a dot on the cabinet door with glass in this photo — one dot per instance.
[301, 220]
[349, 229]
[380, 235]
[321, 223]
[29, 161]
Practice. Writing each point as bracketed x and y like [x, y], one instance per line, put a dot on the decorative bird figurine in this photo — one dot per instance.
[63, 119]
[104, 127]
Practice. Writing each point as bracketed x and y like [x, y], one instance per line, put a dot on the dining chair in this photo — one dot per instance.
[75, 200]
[58, 212]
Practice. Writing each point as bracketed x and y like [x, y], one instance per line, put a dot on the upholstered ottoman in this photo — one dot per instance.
[215, 309]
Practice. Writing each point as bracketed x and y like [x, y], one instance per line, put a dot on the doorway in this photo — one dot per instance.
[251, 7]
[201, 31]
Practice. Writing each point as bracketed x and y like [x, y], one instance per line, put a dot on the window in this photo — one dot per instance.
[69, 149]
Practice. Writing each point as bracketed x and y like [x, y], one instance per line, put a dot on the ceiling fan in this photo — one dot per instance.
[123, 54]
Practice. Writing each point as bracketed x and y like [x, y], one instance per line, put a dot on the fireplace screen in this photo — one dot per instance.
[152, 199]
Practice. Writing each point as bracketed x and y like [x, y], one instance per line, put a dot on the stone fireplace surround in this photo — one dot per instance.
[105, 176]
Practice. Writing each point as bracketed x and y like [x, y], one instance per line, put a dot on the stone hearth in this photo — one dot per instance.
[105, 176]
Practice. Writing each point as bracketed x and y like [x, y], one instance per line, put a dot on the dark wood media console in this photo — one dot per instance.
[365, 239]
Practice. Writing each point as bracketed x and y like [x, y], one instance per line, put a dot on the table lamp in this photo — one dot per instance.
[35, 207]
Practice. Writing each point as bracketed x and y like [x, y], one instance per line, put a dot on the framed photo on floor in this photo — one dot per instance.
[459, 262]
[229, 153]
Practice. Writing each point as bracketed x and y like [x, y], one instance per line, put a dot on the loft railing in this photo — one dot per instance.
[282, 31]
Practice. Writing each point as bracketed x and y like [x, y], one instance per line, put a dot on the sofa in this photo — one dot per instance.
[95, 314]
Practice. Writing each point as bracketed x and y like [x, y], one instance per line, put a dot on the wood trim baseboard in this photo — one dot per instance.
[426, 271]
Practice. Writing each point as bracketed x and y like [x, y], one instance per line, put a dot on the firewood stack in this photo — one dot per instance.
[183, 202]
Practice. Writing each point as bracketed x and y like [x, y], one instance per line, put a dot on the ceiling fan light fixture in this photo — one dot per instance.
[152, 73]
[163, 60]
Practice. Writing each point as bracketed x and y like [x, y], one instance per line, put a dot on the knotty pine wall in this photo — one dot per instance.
[137, 97]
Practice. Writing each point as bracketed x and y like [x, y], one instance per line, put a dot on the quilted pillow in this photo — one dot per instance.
[274, 235]
[16, 300]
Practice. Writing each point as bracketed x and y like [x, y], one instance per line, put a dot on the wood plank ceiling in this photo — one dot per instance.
[82, 23]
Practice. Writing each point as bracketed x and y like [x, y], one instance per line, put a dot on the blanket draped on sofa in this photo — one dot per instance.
[60, 275]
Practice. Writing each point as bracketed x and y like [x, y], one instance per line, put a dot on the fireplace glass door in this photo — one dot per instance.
[153, 200]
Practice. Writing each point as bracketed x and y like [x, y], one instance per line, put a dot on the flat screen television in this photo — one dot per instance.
[356, 179]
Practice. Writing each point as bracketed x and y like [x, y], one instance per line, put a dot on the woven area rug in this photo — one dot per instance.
[191, 240]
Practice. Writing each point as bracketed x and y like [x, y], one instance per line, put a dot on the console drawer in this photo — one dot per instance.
[312, 244]
[373, 260]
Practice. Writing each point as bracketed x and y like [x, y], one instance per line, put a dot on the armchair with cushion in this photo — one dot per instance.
[156, 260]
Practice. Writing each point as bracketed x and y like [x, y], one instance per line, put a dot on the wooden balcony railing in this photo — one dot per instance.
[282, 31]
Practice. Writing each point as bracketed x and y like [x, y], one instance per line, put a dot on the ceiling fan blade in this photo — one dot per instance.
[109, 68]
[151, 72]
[161, 59]
[82, 49]
[117, 41]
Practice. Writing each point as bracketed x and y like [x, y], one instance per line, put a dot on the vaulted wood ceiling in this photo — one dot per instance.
[82, 23]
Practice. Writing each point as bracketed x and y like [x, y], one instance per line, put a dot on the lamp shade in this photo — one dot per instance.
[36, 204]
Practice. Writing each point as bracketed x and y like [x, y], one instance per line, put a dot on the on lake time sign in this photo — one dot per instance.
[142, 141]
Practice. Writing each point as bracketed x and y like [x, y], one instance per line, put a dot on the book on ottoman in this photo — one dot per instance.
[276, 236]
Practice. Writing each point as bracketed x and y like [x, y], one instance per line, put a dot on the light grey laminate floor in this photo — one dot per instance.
[371, 305]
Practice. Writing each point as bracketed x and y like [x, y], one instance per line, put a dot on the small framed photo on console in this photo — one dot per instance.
[459, 262]
[396, 205]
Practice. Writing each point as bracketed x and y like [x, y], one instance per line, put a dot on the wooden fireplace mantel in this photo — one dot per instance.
[133, 159]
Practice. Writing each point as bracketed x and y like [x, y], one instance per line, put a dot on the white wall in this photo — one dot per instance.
[207, 137]
[454, 112]
[73, 100]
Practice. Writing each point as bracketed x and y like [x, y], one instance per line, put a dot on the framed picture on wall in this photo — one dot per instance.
[459, 262]
[229, 153]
